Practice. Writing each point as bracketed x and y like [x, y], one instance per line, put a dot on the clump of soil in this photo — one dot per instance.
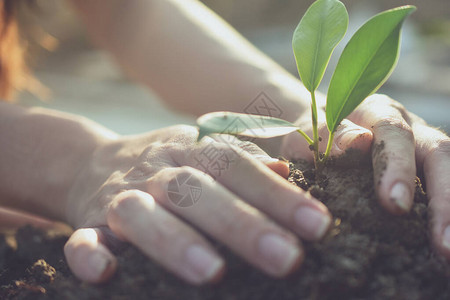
[368, 254]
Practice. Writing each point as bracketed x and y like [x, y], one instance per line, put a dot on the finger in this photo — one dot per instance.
[278, 166]
[223, 216]
[137, 218]
[350, 136]
[88, 258]
[393, 152]
[255, 183]
[347, 136]
[433, 152]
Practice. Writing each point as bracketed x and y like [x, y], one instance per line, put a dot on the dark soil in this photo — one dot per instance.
[368, 254]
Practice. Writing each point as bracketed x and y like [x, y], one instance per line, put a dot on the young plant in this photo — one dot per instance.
[364, 65]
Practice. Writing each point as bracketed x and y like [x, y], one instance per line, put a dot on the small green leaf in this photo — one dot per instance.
[243, 124]
[320, 30]
[365, 64]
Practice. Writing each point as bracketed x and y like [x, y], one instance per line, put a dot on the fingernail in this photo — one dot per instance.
[98, 263]
[312, 222]
[401, 196]
[446, 238]
[281, 254]
[202, 264]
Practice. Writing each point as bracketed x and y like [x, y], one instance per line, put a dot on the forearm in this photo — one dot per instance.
[40, 155]
[189, 56]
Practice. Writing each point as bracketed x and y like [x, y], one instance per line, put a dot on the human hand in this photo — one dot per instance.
[128, 191]
[405, 145]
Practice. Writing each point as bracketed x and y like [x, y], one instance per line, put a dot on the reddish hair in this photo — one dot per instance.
[13, 71]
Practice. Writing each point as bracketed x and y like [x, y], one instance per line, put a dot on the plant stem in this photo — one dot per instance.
[307, 138]
[315, 130]
[330, 143]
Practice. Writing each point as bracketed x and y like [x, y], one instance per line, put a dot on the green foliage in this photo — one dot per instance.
[320, 30]
[365, 64]
[243, 124]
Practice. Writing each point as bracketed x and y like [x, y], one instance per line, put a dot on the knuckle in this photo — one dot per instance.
[378, 99]
[125, 202]
[440, 148]
[397, 105]
[184, 134]
[171, 173]
[249, 147]
[214, 156]
[394, 125]
[166, 232]
[236, 144]
[235, 223]
[272, 190]
[401, 161]
[168, 184]
[443, 146]
[402, 110]
[167, 153]
[227, 145]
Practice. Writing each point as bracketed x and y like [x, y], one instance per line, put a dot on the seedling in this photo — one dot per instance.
[364, 65]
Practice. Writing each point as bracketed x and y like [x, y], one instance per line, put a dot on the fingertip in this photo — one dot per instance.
[441, 240]
[88, 259]
[295, 265]
[219, 275]
[398, 200]
[102, 266]
[401, 198]
[352, 136]
[446, 240]
[312, 222]
[281, 254]
[280, 167]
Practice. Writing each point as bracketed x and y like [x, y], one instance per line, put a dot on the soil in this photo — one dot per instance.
[368, 254]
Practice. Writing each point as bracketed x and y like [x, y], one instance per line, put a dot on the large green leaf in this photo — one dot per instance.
[243, 124]
[319, 31]
[365, 64]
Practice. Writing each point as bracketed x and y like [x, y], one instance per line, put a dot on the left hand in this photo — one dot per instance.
[405, 144]
[132, 188]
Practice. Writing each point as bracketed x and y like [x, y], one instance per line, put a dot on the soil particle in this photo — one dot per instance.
[42, 271]
[368, 254]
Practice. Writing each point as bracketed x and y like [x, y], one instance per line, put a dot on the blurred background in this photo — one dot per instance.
[84, 80]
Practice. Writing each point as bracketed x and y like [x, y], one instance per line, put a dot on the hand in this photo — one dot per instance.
[128, 191]
[402, 144]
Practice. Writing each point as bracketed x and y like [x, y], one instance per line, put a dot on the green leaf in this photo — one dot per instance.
[365, 64]
[243, 124]
[320, 30]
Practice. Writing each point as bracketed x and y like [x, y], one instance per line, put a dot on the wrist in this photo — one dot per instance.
[44, 152]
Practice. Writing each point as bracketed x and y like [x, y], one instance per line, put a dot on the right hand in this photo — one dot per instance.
[128, 191]
[402, 145]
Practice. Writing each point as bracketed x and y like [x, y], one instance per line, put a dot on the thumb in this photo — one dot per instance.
[278, 166]
[349, 135]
